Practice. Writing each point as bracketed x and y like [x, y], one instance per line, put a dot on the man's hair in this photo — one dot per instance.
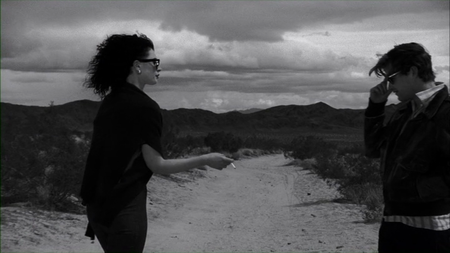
[110, 67]
[404, 56]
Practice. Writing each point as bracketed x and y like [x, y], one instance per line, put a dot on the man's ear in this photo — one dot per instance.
[413, 71]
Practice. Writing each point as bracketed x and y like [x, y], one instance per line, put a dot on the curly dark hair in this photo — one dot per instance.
[404, 56]
[111, 65]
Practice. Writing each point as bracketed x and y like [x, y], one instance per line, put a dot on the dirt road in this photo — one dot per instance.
[262, 206]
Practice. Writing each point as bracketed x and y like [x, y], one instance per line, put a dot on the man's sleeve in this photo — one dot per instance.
[374, 131]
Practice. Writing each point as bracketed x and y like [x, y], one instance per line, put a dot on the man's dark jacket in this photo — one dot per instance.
[415, 156]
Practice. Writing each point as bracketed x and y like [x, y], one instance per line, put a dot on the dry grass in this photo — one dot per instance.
[356, 177]
[370, 195]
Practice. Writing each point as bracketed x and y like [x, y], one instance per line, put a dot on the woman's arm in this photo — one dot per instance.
[159, 165]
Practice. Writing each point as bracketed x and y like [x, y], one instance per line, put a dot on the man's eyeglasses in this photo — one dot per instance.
[154, 61]
[390, 78]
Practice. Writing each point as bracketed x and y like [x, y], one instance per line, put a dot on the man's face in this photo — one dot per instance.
[400, 84]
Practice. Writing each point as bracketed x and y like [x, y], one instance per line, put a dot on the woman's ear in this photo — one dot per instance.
[137, 66]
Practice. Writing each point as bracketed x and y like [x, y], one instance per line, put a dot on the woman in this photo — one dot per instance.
[126, 143]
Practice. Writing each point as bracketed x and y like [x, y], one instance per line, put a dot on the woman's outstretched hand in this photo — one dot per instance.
[217, 161]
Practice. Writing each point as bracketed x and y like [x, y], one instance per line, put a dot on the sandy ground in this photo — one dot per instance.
[262, 206]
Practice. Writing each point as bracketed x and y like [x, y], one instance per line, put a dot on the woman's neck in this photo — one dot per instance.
[134, 81]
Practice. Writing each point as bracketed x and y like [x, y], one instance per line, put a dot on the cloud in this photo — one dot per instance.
[35, 78]
[37, 88]
[441, 69]
[326, 34]
[61, 35]
[218, 20]
[219, 55]
[269, 20]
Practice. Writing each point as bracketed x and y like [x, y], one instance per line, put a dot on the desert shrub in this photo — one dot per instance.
[357, 177]
[368, 194]
[64, 172]
[232, 143]
[223, 141]
[262, 143]
[304, 147]
[352, 148]
[43, 164]
[247, 152]
[358, 180]
[329, 167]
[45, 169]
[19, 173]
[362, 184]
[306, 164]
[374, 203]
[175, 145]
[360, 170]
[199, 151]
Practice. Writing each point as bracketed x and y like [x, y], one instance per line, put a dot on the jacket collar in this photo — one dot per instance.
[432, 108]
[437, 101]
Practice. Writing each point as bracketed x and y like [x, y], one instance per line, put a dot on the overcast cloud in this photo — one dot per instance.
[219, 55]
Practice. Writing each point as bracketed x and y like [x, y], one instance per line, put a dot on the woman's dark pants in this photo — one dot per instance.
[128, 231]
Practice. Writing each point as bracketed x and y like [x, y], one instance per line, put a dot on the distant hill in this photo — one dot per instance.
[77, 116]
[287, 121]
[284, 121]
[248, 111]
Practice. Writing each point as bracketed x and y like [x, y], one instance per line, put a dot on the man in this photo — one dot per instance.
[414, 147]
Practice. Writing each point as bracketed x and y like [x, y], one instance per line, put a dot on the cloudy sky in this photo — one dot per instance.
[219, 55]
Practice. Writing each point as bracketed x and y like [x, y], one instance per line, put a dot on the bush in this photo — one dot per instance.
[357, 177]
[360, 170]
[43, 164]
[329, 167]
[45, 170]
[63, 174]
[353, 148]
[222, 141]
[175, 145]
[368, 194]
[358, 180]
[262, 143]
[304, 147]
[246, 152]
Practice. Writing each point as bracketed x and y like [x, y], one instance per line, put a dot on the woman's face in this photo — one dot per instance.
[149, 69]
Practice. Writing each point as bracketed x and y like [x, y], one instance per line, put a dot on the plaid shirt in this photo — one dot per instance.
[437, 223]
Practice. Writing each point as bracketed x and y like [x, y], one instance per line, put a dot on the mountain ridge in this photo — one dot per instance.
[284, 121]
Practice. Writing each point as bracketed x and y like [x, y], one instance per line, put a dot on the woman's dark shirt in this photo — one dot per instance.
[115, 169]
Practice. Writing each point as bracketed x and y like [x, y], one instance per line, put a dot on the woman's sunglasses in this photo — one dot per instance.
[154, 61]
